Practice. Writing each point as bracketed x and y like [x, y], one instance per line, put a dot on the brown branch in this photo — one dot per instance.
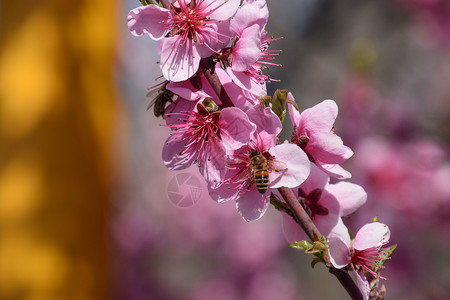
[165, 3]
[207, 67]
[300, 214]
[347, 282]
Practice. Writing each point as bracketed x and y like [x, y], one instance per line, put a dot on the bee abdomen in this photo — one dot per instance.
[262, 180]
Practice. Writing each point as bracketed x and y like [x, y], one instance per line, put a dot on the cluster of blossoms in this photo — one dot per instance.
[213, 54]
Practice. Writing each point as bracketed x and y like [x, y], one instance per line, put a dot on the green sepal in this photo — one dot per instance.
[315, 261]
[267, 101]
[279, 103]
[386, 254]
[317, 247]
[301, 245]
[146, 2]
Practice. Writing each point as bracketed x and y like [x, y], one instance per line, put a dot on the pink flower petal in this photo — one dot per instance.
[330, 202]
[250, 13]
[297, 164]
[372, 235]
[319, 118]
[349, 195]
[339, 229]
[221, 10]
[363, 285]
[294, 114]
[247, 82]
[171, 154]
[328, 148]
[184, 89]
[335, 171]
[251, 205]
[268, 125]
[247, 49]
[327, 223]
[339, 251]
[178, 63]
[223, 193]
[214, 37]
[235, 128]
[317, 179]
[213, 168]
[179, 105]
[240, 97]
[149, 20]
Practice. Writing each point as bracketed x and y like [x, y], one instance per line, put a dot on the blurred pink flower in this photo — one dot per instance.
[434, 16]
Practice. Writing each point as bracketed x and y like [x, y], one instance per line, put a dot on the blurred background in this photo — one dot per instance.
[88, 210]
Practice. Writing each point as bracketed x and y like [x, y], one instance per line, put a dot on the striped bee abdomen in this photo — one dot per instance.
[260, 171]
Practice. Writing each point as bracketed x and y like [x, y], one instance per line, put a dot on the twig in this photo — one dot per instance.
[207, 67]
[300, 214]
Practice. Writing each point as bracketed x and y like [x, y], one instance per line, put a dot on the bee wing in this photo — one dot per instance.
[153, 94]
[278, 165]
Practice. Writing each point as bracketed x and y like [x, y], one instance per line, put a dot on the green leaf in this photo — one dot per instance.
[283, 115]
[301, 245]
[279, 103]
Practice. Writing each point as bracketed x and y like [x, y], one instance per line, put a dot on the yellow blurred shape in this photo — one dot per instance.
[57, 110]
[29, 76]
[31, 266]
[20, 186]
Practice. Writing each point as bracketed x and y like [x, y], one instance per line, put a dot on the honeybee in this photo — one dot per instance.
[260, 170]
[160, 97]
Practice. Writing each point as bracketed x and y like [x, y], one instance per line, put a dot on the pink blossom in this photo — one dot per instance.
[251, 12]
[248, 26]
[364, 254]
[326, 203]
[287, 166]
[250, 76]
[249, 53]
[201, 136]
[314, 133]
[187, 31]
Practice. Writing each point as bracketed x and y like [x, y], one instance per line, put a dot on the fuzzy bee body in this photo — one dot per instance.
[260, 171]
[161, 97]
